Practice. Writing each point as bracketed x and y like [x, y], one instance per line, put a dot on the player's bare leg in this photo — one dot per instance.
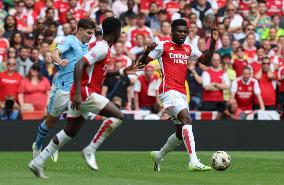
[59, 140]
[107, 127]
[188, 139]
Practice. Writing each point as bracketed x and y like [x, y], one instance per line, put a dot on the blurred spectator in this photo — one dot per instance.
[29, 40]
[73, 24]
[194, 19]
[249, 46]
[234, 112]
[226, 45]
[23, 62]
[214, 81]
[39, 40]
[10, 26]
[118, 56]
[24, 20]
[9, 109]
[33, 88]
[192, 37]
[44, 48]
[257, 63]
[124, 17]
[229, 71]
[250, 28]
[49, 4]
[17, 40]
[39, 27]
[140, 28]
[155, 109]
[165, 33]
[264, 21]
[267, 48]
[235, 20]
[11, 53]
[49, 16]
[240, 62]
[66, 28]
[201, 8]
[99, 13]
[4, 45]
[235, 45]
[194, 82]
[9, 81]
[267, 85]
[119, 7]
[152, 17]
[34, 57]
[138, 45]
[118, 86]
[146, 89]
[48, 67]
[244, 89]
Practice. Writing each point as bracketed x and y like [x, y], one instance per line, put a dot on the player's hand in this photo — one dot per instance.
[151, 47]
[131, 69]
[76, 102]
[63, 62]
[215, 33]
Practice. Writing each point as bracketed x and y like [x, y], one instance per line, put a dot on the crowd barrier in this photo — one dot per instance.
[137, 135]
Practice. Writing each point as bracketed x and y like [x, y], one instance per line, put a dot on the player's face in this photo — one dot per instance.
[87, 34]
[179, 34]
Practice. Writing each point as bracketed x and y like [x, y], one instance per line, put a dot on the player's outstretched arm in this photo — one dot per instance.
[145, 59]
[206, 58]
[55, 55]
[81, 64]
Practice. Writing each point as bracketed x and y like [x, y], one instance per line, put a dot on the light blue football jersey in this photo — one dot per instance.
[73, 50]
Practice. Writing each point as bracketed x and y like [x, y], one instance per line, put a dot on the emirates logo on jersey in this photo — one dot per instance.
[179, 58]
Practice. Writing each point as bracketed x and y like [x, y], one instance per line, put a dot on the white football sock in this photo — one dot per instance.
[189, 142]
[107, 127]
[172, 143]
[63, 138]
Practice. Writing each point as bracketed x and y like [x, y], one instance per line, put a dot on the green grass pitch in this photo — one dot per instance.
[135, 168]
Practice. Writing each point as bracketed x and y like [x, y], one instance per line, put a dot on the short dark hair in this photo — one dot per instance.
[86, 23]
[178, 22]
[246, 68]
[110, 25]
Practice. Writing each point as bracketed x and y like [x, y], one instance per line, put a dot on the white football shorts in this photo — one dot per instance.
[94, 104]
[58, 101]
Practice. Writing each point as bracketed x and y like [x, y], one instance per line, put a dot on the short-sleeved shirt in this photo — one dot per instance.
[173, 60]
[9, 85]
[98, 59]
[35, 94]
[73, 50]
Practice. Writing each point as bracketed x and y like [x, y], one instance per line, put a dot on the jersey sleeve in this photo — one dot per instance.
[157, 52]
[96, 54]
[137, 86]
[225, 79]
[65, 45]
[195, 53]
[256, 88]
[234, 87]
[205, 79]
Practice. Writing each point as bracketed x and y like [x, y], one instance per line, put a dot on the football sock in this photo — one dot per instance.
[63, 138]
[42, 132]
[189, 142]
[107, 127]
[172, 143]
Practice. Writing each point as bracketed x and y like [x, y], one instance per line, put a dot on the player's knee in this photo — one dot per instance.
[120, 116]
[186, 120]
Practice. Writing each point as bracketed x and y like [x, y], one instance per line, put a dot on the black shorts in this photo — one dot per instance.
[213, 106]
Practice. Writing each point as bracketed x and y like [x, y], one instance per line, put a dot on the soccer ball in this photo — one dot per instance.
[221, 160]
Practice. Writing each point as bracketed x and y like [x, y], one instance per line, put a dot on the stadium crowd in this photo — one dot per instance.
[247, 71]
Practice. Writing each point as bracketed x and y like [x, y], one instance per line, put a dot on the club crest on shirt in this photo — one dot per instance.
[186, 50]
[93, 55]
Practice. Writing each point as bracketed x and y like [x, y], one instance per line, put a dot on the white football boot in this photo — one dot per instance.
[156, 162]
[198, 166]
[54, 156]
[37, 170]
[90, 158]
